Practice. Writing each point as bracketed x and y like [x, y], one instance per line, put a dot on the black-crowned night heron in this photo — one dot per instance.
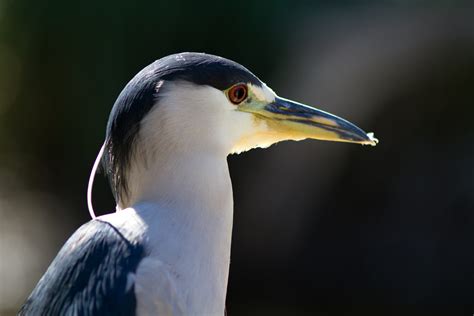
[166, 250]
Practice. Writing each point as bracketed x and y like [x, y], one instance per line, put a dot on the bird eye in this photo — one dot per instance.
[237, 93]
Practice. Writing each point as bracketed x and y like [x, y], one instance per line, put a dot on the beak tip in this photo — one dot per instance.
[372, 141]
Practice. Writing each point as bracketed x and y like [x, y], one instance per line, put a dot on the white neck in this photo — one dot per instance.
[186, 204]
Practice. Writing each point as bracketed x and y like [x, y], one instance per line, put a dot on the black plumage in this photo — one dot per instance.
[91, 275]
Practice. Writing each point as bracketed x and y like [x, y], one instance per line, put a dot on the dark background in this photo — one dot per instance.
[320, 228]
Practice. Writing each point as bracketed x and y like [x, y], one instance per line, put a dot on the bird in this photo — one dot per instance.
[166, 248]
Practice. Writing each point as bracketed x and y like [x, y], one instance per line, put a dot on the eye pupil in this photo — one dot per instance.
[238, 93]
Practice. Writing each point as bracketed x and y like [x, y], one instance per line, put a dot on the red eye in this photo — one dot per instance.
[237, 93]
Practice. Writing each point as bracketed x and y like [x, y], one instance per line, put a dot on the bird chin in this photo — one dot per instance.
[247, 144]
[263, 140]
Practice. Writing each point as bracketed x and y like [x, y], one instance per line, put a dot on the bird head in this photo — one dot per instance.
[192, 102]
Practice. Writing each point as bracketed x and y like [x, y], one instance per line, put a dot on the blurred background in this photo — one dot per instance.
[320, 228]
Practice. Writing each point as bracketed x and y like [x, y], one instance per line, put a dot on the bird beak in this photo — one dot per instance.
[299, 121]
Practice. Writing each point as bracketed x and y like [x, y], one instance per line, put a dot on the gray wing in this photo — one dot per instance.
[91, 275]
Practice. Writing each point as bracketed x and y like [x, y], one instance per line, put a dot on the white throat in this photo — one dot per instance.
[188, 216]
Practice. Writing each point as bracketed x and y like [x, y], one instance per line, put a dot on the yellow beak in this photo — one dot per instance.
[301, 121]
